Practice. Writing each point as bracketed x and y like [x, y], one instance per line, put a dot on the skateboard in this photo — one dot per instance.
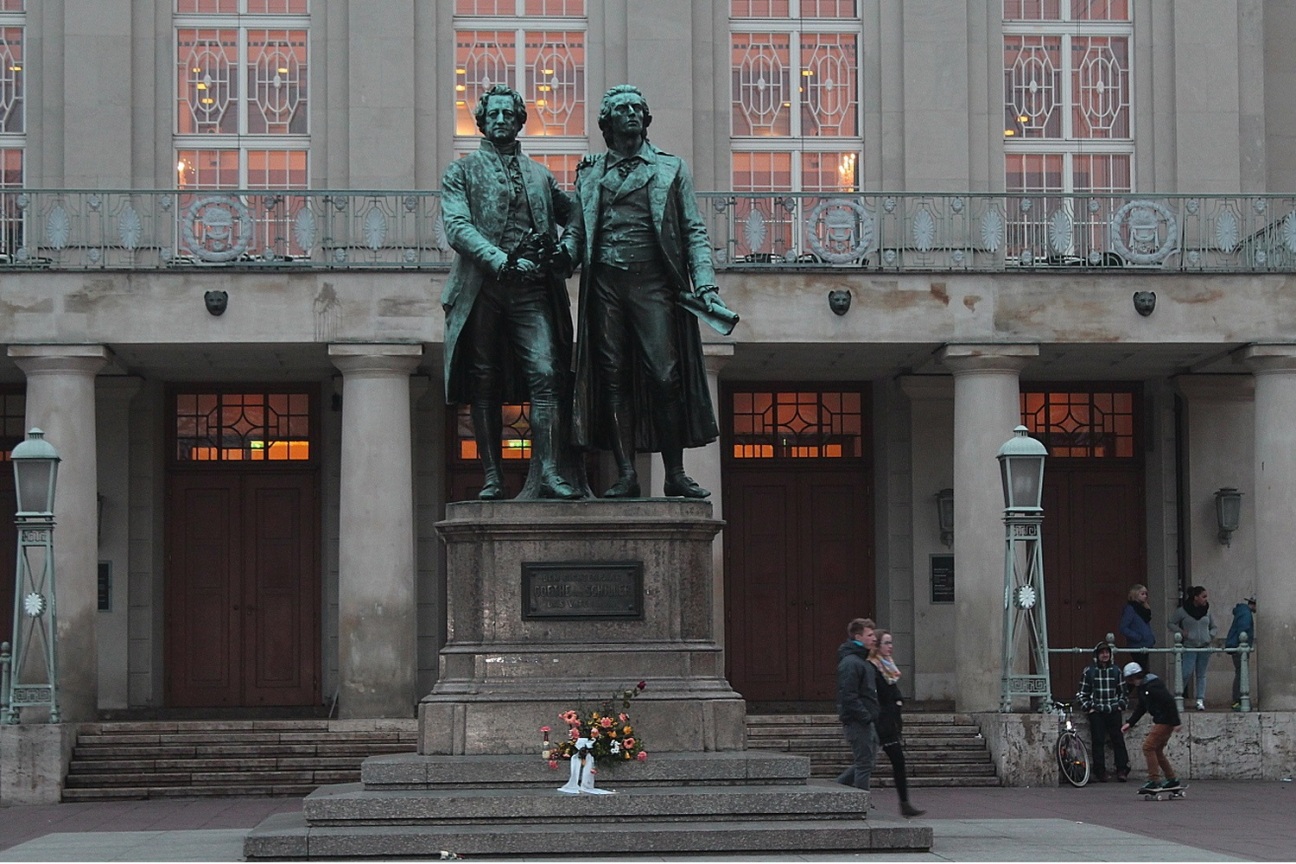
[1162, 794]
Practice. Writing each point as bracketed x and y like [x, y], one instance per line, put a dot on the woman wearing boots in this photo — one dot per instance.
[889, 722]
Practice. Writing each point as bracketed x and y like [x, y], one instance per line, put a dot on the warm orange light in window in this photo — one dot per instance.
[460, 88]
[201, 86]
[1008, 133]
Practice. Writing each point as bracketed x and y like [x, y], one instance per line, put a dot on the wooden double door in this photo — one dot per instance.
[242, 589]
[1094, 550]
[799, 564]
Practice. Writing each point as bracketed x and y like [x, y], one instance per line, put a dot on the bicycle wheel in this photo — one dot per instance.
[1073, 758]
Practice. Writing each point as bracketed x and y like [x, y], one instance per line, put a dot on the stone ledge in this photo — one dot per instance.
[348, 805]
[288, 836]
[414, 771]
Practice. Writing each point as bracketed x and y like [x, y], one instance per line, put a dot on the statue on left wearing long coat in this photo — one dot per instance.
[508, 332]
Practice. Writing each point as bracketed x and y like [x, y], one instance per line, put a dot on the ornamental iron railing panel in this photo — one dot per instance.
[888, 232]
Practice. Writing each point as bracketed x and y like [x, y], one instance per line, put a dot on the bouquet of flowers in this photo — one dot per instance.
[608, 729]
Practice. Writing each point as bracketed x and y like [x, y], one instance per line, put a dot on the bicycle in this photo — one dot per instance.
[1072, 754]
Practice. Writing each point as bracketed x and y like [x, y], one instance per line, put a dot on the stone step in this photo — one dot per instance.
[238, 751]
[295, 790]
[287, 835]
[109, 766]
[353, 804]
[941, 748]
[413, 772]
[916, 719]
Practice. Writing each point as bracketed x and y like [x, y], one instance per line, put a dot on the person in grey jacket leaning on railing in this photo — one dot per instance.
[1192, 620]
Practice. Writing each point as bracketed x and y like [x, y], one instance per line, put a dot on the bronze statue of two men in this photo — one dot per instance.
[636, 382]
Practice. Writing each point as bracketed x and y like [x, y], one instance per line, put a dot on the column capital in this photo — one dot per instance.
[375, 360]
[987, 356]
[1269, 357]
[60, 359]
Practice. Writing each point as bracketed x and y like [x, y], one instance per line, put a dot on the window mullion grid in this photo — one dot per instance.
[799, 92]
[519, 62]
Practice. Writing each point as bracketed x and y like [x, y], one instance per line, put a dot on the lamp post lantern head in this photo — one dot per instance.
[945, 515]
[1021, 468]
[35, 464]
[1228, 513]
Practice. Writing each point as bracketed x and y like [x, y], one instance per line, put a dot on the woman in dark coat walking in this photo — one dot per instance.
[890, 725]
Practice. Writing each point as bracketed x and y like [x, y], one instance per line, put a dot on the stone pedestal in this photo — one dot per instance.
[33, 762]
[556, 605]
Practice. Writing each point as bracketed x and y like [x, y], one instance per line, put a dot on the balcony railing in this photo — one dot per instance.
[886, 232]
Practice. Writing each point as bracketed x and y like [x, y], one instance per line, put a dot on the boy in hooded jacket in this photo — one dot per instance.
[1102, 696]
[1154, 699]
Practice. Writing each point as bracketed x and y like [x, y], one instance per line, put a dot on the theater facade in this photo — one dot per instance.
[221, 258]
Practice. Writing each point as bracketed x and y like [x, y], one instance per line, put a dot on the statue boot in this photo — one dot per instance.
[677, 484]
[545, 444]
[488, 432]
[627, 483]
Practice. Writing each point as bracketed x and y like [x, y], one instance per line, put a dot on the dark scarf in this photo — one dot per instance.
[1194, 610]
[1143, 611]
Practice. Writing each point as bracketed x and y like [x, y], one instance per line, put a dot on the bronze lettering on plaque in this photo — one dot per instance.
[588, 592]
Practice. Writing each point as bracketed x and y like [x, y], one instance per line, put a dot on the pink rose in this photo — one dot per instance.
[606, 722]
[628, 743]
[643, 756]
[553, 764]
[623, 717]
[545, 729]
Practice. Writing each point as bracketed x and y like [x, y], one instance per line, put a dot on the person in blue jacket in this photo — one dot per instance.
[1243, 622]
[1136, 625]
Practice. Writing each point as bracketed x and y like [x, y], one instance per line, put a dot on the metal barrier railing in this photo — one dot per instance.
[1005, 232]
[1244, 650]
[6, 659]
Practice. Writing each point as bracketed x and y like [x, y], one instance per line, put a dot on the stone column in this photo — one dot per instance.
[115, 393]
[1275, 513]
[61, 401]
[703, 465]
[987, 405]
[377, 654]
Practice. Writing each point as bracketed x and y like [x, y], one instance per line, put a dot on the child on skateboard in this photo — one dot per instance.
[1154, 699]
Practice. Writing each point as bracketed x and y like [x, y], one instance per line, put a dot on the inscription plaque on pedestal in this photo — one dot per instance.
[593, 592]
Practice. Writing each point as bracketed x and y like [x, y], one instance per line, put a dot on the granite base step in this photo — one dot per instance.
[416, 806]
[289, 836]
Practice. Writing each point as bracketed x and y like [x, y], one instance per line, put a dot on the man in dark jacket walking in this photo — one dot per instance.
[1102, 696]
[1154, 699]
[857, 701]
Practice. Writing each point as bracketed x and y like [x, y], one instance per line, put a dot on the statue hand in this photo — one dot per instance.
[710, 295]
[527, 267]
[561, 262]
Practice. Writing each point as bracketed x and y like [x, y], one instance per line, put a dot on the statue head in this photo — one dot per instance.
[501, 92]
[1144, 302]
[615, 96]
[216, 301]
[839, 301]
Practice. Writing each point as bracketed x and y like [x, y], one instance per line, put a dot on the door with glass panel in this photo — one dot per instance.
[799, 548]
[1094, 531]
[242, 551]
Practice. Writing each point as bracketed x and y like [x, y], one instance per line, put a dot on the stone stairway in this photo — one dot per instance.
[250, 757]
[119, 760]
[941, 748]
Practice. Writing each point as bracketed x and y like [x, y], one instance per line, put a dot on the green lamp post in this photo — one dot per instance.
[33, 680]
[1025, 632]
